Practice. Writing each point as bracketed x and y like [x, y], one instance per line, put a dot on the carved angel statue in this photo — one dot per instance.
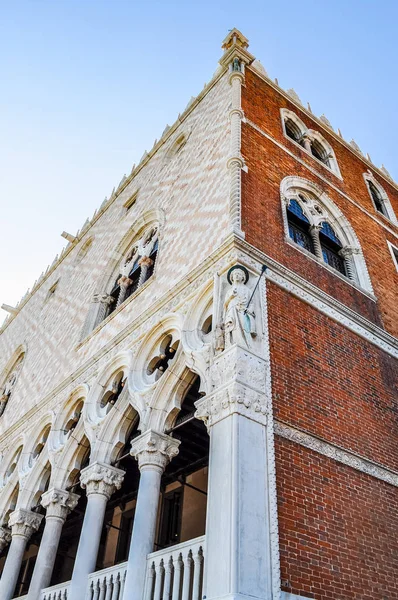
[238, 320]
[129, 261]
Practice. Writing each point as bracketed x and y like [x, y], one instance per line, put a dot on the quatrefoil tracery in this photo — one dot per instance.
[160, 363]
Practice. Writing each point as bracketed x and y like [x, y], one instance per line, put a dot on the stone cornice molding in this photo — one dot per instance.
[59, 503]
[324, 128]
[154, 450]
[320, 176]
[5, 537]
[24, 522]
[99, 478]
[337, 453]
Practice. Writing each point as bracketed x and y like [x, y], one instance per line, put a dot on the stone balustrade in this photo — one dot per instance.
[176, 572]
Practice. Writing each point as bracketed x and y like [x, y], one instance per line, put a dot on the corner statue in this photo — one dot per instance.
[238, 320]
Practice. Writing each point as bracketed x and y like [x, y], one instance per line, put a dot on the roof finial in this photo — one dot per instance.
[235, 38]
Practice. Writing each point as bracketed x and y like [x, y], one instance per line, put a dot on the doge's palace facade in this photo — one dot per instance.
[145, 451]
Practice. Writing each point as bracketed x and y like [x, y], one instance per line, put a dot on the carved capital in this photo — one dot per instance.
[145, 261]
[24, 522]
[235, 399]
[124, 281]
[348, 252]
[59, 503]
[5, 537]
[100, 478]
[103, 298]
[154, 450]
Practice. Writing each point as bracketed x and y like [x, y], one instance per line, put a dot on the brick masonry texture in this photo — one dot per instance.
[262, 221]
[330, 382]
[337, 528]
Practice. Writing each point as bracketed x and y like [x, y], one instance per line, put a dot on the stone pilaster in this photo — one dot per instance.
[96, 313]
[347, 254]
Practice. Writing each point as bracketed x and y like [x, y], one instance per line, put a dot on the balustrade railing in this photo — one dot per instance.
[176, 573]
[108, 583]
[55, 592]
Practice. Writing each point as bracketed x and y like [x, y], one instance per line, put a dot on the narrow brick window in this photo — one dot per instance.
[377, 199]
[394, 254]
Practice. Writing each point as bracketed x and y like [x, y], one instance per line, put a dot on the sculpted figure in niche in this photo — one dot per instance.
[238, 319]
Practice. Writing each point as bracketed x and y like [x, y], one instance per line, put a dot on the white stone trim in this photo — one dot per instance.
[380, 222]
[291, 187]
[311, 134]
[337, 453]
[368, 176]
[391, 248]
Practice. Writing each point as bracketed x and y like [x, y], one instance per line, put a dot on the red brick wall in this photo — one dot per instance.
[262, 221]
[337, 528]
[331, 382]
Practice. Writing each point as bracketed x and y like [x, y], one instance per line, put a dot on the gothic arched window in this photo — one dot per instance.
[312, 141]
[380, 200]
[136, 268]
[9, 382]
[313, 222]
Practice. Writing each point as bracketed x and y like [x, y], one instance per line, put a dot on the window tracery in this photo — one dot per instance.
[314, 223]
[135, 269]
[312, 141]
[379, 198]
[10, 383]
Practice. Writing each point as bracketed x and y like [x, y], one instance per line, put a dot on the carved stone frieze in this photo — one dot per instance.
[24, 522]
[59, 503]
[240, 365]
[336, 453]
[154, 450]
[100, 478]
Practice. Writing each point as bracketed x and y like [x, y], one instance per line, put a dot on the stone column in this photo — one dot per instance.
[238, 529]
[145, 263]
[5, 537]
[347, 254]
[58, 504]
[153, 451]
[314, 232]
[235, 161]
[307, 144]
[22, 523]
[100, 481]
[124, 283]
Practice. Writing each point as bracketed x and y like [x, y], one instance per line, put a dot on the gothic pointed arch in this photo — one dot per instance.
[314, 222]
[379, 197]
[132, 265]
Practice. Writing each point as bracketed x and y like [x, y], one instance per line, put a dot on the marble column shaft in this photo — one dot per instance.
[58, 504]
[22, 523]
[153, 451]
[100, 481]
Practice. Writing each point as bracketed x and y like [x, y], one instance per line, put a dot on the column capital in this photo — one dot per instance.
[348, 251]
[154, 450]
[100, 478]
[59, 503]
[24, 522]
[103, 298]
[125, 281]
[5, 537]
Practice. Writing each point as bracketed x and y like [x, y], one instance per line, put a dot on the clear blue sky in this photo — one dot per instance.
[87, 85]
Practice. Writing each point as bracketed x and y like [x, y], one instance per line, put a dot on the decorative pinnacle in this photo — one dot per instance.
[235, 38]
